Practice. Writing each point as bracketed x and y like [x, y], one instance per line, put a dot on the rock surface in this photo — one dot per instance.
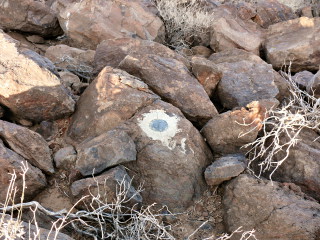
[273, 211]
[111, 99]
[303, 79]
[171, 156]
[314, 85]
[107, 150]
[65, 157]
[28, 144]
[225, 168]
[29, 91]
[88, 23]
[294, 41]
[171, 80]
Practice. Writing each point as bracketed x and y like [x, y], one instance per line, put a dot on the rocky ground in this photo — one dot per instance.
[94, 96]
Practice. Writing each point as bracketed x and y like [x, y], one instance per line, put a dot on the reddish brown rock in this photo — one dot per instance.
[11, 162]
[201, 51]
[111, 52]
[274, 211]
[111, 99]
[171, 156]
[30, 91]
[29, 16]
[207, 73]
[171, 80]
[88, 23]
[294, 41]
[28, 144]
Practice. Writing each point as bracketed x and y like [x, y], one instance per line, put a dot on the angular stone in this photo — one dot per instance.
[28, 144]
[28, 90]
[294, 41]
[313, 86]
[107, 150]
[229, 131]
[171, 156]
[68, 79]
[207, 73]
[88, 23]
[112, 51]
[106, 186]
[171, 80]
[225, 168]
[111, 99]
[29, 16]
[11, 162]
[65, 157]
[275, 212]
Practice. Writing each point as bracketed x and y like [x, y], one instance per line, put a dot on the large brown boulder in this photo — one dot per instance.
[111, 99]
[274, 211]
[294, 41]
[246, 78]
[89, 22]
[11, 162]
[171, 156]
[29, 16]
[28, 144]
[171, 80]
[112, 51]
[30, 91]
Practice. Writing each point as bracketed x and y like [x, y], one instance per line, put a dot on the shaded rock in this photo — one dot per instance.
[107, 150]
[112, 51]
[171, 80]
[245, 78]
[171, 156]
[29, 91]
[229, 131]
[28, 144]
[225, 168]
[207, 73]
[35, 39]
[314, 85]
[201, 51]
[106, 186]
[11, 162]
[111, 99]
[302, 166]
[46, 129]
[296, 4]
[88, 23]
[273, 211]
[1, 112]
[294, 41]
[68, 79]
[271, 11]
[303, 79]
[29, 16]
[65, 157]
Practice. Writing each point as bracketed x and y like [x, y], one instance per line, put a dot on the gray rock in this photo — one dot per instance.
[303, 79]
[107, 150]
[313, 86]
[65, 157]
[225, 168]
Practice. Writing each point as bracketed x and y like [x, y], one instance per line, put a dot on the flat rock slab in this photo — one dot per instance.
[28, 144]
[171, 80]
[111, 99]
[225, 168]
[274, 211]
[107, 150]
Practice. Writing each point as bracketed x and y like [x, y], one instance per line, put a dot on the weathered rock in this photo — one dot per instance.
[28, 144]
[171, 156]
[245, 78]
[112, 51]
[296, 4]
[207, 73]
[273, 211]
[1, 112]
[35, 39]
[229, 131]
[65, 157]
[11, 162]
[302, 166]
[68, 79]
[171, 80]
[225, 168]
[303, 79]
[271, 11]
[107, 150]
[314, 85]
[48, 130]
[88, 23]
[111, 99]
[201, 51]
[29, 91]
[29, 16]
[106, 186]
[294, 41]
